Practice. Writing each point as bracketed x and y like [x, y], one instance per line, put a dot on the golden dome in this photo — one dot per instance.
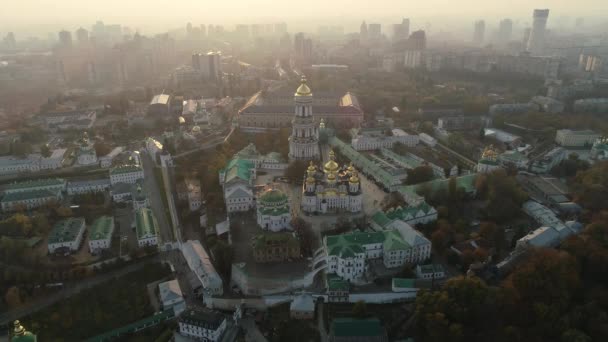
[322, 124]
[354, 178]
[303, 89]
[350, 167]
[489, 153]
[331, 176]
[331, 165]
[311, 167]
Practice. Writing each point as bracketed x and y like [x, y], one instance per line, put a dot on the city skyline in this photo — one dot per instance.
[47, 15]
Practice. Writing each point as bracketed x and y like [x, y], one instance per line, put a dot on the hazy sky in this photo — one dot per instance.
[34, 15]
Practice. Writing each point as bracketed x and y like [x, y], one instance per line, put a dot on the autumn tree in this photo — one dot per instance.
[419, 174]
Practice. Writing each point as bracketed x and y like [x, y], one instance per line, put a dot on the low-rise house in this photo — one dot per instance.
[514, 158]
[548, 104]
[548, 161]
[55, 185]
[146, 227]
[28, 200]
[171, 296]
[546, 217]
[357, 330]
[66, 236]
[427, 139]
[421, 213]
[100, 236]
[275, 247]
[431, 271]
[302, 307]
[237, 180]
[194, 196]
[202, 325]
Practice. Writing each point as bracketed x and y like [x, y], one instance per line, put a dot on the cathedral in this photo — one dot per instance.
[333, 189]
[304, 139]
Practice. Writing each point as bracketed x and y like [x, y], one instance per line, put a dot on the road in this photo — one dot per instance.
[70, 290]
[321, 324]
[155, 196]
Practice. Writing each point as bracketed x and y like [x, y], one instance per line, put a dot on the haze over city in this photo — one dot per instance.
[304, 171]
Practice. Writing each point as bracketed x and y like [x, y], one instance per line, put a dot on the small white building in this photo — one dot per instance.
[126, 174]
[66, 235]
[100, 235]
[171, 296]
[146, 227]
[30, 199]
[202, 325]
[194, 195]
[431, 271]
[302, 307]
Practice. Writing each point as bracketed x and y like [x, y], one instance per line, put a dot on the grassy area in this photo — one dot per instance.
[115, 303]
[282, 328]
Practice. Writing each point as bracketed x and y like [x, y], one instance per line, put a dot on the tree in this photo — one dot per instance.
[420, 174]
[359, 309]
[305, 234]
[13, 297]
[45, 151]
[102, 148]
[21, 149]
[296, 170]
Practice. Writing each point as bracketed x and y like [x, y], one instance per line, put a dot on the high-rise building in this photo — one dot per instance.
[479, 33]
[375, 31]
[363, 34]
[209, 64]
[82, 35]
[65, 38]
[302, 47]
[417, 40]
[280, 28]
[536, 42]
[401, 31]
[203, 31]
[304, 139]
[505, 29]
[9, 41]
[242, 30]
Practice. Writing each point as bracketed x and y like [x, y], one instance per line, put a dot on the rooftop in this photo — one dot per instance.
[268, 239]
[102, 228]
[125, 169]
[37, 183]
[66, 230]
[145, 223]
[27, 195]
[162, 99]
[344, 327]
[404, 283]
[169, 290]
[202, 316]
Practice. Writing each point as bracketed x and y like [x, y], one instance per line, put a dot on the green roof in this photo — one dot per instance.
[66, 230]
[237, 168]
[37, 183]
[135, 326]
[102, 228]
[381, 219]
[275, 239]
[27, 195]
[394, 242]
[273, 196]
[26, 337]
[335, 283]
[344, 327]
[431, 268]
[125, 169]
[488, 162]
[404, 282]
[248, 152]
[350, 244]
[274, 211]
[145, 223]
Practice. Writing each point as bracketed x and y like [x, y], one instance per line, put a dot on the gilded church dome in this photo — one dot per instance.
[331, 165]
[303, 89]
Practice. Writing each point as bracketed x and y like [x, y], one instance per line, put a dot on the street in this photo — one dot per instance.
[155, 197]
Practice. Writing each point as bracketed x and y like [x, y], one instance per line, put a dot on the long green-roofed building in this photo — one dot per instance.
[351, 329]
[100, 235]
[146, 227]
